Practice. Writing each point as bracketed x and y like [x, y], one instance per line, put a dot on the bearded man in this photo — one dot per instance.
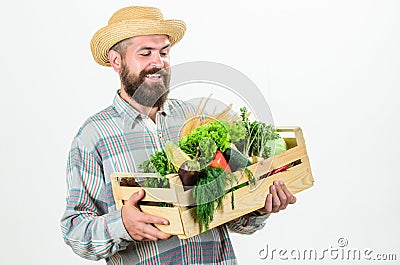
[136, 44]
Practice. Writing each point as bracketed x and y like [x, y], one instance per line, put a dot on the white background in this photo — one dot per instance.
[331, 67]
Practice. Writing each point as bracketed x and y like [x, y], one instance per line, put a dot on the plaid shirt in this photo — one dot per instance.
[118, 139]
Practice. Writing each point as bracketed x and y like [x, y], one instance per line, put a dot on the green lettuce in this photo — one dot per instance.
[214, 130]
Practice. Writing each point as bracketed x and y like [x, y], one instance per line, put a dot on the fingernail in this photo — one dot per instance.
[165, 222]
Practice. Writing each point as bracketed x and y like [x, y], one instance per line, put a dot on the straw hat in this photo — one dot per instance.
[133, 21]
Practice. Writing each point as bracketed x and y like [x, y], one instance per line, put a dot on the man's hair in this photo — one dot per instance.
[121, 46]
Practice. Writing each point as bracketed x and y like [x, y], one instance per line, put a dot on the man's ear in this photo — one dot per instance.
[115, 60]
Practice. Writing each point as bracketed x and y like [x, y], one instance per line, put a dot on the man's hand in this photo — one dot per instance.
[139, 224]
[279, 198]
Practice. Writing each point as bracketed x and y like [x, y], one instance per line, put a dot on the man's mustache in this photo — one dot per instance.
[161, 71]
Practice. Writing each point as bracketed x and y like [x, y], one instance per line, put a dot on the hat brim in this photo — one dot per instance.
[108, 36]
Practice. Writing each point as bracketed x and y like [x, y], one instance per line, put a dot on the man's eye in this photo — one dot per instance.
[145, 54]
[164, 54]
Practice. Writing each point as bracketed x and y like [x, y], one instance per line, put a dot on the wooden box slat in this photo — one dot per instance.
[173, 214]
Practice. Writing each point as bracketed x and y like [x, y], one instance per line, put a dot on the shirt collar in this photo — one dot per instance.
[126, 111]
[123, 108]
[167, 107]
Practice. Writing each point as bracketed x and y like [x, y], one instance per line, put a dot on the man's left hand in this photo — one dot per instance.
[279, 198]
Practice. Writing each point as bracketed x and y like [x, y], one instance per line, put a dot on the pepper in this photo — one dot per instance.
[283, 168]
[220, 161]
[277, 170]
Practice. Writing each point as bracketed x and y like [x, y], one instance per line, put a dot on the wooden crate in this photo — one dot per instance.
[181, 215]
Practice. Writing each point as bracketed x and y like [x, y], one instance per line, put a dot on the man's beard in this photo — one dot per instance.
[149, 94]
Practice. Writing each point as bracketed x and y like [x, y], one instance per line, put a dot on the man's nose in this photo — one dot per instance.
[157, 61]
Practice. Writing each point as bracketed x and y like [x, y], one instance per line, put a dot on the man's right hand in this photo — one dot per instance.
[139, 224]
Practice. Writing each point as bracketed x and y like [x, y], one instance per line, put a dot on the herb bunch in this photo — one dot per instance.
[158, 163]
[257, 135]
[209, 192]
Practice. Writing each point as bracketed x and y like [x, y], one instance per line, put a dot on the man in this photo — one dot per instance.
[136, 44]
